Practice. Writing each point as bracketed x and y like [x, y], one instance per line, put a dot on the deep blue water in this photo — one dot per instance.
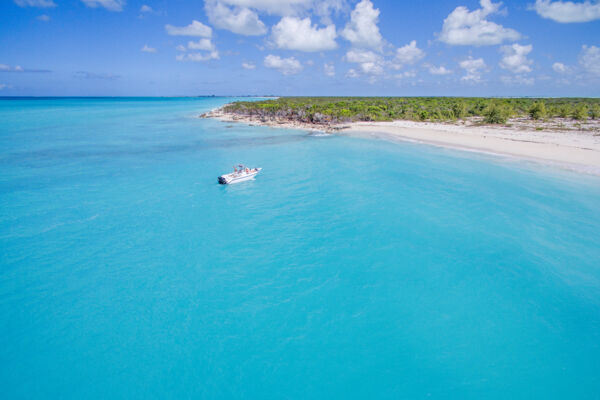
[350, 268]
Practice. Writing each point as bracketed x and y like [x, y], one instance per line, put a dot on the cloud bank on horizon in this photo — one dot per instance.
[548, 47]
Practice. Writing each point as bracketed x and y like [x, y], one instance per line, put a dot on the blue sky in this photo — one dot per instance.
[299, 47]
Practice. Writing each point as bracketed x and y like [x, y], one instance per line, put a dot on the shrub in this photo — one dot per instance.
[538, 110]
[496, 114]
[564, 111]
[459, 109]
[595, 111]
[580, 112]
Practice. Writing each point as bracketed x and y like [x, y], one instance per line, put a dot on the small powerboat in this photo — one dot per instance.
[240, 173]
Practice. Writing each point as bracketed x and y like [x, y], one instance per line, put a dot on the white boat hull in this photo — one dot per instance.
[230, 179]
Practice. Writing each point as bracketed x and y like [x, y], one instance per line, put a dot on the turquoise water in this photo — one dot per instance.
[350, 268]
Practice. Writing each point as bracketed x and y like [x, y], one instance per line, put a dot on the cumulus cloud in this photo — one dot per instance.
[43, 17]
[36, 3]
[406, 74]
[299, 34]
[473, 67]
[471, 28]
[370, 63]
[515, 58]
[242, 16]
[287, 66]
[198, 57]
[240, 20]
[248, 65]
[408, 55]
[202, 44]
[560, 68]
[362, 30]
[329, 69]
[3, 86]
[202, 50]
[146, 9]
[148, 49]
[194, 29]
[111, 5]
[441, 70]
[285, 7]
[567, 11]
[589, 59]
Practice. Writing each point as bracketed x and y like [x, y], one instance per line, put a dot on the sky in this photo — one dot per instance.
[299, 47]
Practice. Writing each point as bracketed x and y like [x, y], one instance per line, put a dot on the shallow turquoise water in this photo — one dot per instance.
[350, 268]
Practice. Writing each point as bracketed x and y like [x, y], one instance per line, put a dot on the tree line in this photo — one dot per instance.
[435, 109]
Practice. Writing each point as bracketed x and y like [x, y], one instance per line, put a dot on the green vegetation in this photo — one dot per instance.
[347, 109]
[497, 113]
[538, 110]
[580, 112]
[595, 111]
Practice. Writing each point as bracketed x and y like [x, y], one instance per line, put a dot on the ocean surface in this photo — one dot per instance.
[350, 268]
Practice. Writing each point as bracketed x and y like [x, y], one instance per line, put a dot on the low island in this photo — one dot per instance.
[565, 131]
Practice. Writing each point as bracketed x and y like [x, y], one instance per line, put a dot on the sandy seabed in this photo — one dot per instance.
[573, 149]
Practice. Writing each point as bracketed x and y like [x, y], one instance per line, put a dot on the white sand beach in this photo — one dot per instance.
[570, 148]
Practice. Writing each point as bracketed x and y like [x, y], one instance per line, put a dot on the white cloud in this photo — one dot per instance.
[36, 3]
[242, 16]
[194, 29]
[329, 69]
[299, 34]
[441, 70]
[361, 56]
[471, 28]
[198, 57]
[248, 65]
[282, 7]
[287, 66]
[148, 49]
[43, 17]
[111, 5]
[567, 11]
[240, 20]
[3, 85]
[362, 30]
[180, 47]
[473, 67]
[146, 9]
[560, 68]
[409, 54]
[202, 44]
[4, 67]
[406, 74]
[515, 58]
[370, 63]
[589, 59]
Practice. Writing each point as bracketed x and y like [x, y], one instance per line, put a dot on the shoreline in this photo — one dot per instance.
[578, 151]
